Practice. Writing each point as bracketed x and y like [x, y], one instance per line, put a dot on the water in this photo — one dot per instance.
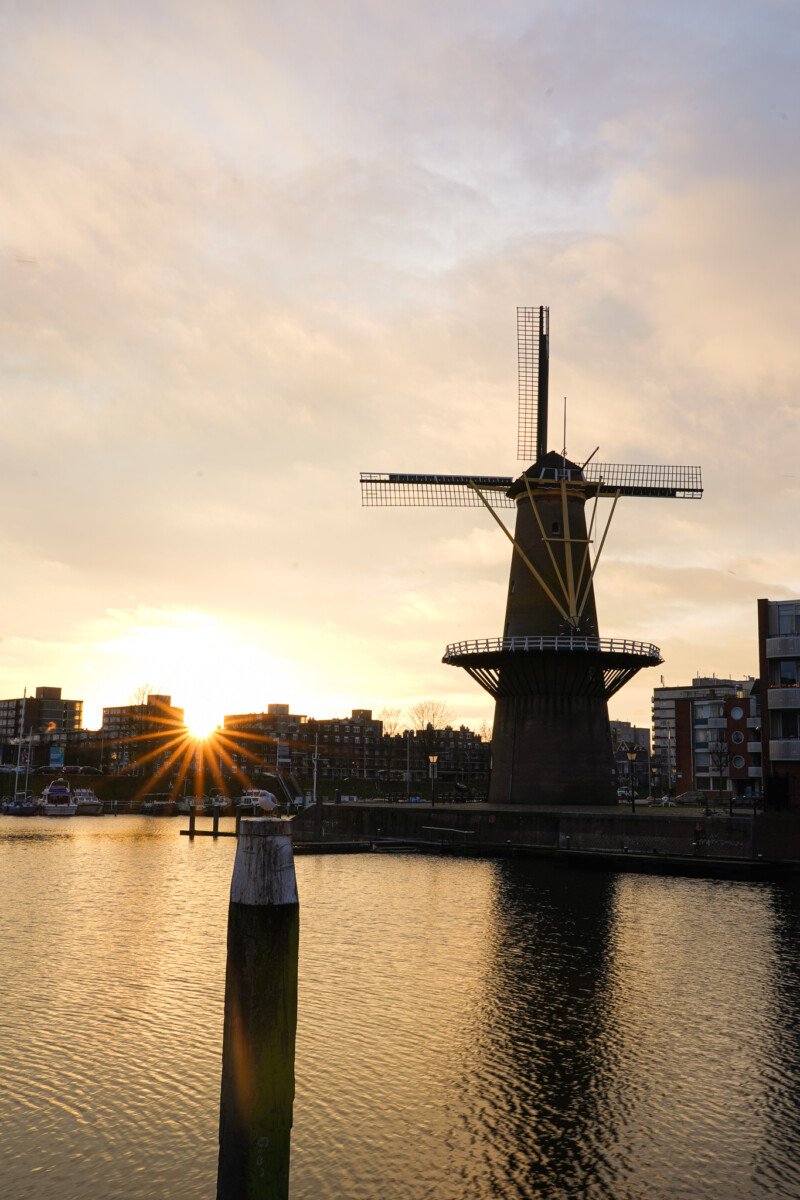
[466, 1029]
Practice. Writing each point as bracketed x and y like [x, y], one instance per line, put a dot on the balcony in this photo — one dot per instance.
[718, 722]
[754, 747]
[783, 697]
[784, 750]
[753, 722]
[754, 772]
[783, 647]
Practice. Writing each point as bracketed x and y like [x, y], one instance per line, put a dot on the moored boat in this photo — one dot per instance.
[20, 806]
[256, 801]
[57, 800]
[159, 808]
[216, 805]
[88, 803]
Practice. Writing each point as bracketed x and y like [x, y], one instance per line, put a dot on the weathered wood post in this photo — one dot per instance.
[191, 823]
[215, 824]
[257, 1095]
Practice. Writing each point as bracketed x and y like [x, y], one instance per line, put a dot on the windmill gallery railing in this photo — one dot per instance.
[564, 642]
[552, 665]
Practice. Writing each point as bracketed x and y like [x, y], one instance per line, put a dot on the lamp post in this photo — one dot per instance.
[631, 755]
[432, 770]
[649, 774]
[408, 762]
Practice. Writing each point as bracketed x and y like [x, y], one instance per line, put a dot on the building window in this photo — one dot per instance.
[737, 713]
[737, 762]
[737, 737]
[788, 723]
[788, 619]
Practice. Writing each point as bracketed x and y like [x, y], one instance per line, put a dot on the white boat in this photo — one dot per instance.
[216, 805]
[89, 804]
[256, 800]
[57, 800]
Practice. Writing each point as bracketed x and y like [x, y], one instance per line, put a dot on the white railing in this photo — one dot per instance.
[561, 642]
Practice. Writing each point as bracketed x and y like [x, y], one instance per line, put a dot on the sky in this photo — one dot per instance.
[251, 250]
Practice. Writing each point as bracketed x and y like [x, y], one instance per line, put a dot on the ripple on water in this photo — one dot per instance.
[465, 1028]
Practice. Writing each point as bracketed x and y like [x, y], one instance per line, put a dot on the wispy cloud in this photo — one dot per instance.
[249, 252]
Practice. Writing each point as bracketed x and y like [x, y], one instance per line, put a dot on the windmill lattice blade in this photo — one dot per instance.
[383, 489]
[533, 364]
[646, 479]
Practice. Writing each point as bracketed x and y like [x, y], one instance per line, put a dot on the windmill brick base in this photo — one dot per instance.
[550, 742]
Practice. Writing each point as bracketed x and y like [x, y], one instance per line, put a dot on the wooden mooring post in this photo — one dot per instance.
[258, 1043]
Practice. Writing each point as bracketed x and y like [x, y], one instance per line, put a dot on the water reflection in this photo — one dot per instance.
[465, 1029]
[540, 1076]
[777, 1162]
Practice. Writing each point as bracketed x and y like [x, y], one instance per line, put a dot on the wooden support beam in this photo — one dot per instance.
[520, 551]
[599, 552]
[573, 616]
[545, 539]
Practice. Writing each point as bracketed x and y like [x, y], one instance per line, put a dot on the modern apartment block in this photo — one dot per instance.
[718, 743]
[141, 733]
[46, 723]
[44, 712]
[665, 727]
[779, 659]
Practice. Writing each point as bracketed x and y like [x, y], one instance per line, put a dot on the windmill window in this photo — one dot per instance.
[555, 528]
[513, 587]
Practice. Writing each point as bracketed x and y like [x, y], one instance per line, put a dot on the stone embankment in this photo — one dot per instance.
[667, 839]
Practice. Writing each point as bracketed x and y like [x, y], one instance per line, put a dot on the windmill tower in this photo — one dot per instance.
[550, 672]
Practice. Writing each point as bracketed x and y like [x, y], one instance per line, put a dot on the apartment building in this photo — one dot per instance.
[779, 660]
[718, 743]
[141, 737]
[665, 700]
[44, 712]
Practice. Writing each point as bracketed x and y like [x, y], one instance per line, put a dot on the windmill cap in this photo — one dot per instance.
[549, 468]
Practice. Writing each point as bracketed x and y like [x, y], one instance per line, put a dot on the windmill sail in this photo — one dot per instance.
[533, 365]
[382, 489]
[646, 479]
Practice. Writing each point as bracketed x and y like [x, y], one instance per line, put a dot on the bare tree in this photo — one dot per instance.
[430, 712]
[390, 717]
[140, 693]
[485, 731]
[429, 718]
[720, 758]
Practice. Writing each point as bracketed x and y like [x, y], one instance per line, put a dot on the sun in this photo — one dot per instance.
[200, 722]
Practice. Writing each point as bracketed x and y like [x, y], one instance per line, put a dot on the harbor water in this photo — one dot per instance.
[467, 1029]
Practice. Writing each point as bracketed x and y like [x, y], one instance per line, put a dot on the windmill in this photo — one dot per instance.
[550, 673]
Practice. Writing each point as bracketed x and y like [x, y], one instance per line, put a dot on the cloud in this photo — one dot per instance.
[248, 255]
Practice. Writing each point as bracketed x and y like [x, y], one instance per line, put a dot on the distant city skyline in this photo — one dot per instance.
[247, 256]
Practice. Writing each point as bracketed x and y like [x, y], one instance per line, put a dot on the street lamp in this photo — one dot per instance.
[432, 770]
[631, 755]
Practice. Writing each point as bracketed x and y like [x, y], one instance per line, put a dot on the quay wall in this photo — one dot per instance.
[771, 836]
